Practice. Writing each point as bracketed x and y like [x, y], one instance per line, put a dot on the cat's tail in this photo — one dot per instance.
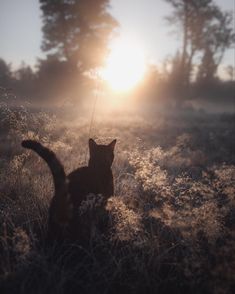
[52, 161]
[60, 205]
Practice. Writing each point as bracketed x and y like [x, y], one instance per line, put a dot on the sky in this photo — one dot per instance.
[21, 36]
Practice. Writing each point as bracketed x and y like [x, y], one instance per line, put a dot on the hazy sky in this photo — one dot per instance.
[20, 28]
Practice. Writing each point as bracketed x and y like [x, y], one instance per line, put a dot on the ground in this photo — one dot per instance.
[172, 218]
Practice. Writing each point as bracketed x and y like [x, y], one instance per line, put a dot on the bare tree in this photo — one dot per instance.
[206, 34]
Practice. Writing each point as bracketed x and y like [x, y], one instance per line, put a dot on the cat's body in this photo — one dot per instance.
[87, 180]
[71, 190]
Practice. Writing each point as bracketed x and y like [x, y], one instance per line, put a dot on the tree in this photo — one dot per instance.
[183, 16]
[55, 78]
[77, 31]
[218, 37]
[5, 74]
[24, 73]
[25, 81]
[207, 32]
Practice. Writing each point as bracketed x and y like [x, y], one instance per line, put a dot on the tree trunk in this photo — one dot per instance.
[185, 44]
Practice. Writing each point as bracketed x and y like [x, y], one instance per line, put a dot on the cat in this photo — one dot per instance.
[71, 190]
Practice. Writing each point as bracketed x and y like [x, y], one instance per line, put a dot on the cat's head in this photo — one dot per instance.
[101, 156]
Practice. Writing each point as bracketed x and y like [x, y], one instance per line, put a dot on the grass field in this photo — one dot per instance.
[172, 218]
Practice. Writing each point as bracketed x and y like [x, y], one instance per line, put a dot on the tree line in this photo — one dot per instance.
[76, 34]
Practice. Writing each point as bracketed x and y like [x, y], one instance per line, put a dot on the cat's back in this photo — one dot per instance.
[80, 184]
[80, 178]
[79, 174]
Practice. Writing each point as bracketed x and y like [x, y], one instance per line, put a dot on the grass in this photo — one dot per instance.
[171, 218]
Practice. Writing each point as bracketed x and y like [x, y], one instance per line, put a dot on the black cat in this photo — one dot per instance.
[71, 190]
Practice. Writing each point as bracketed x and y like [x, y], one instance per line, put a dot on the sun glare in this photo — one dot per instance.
[125, 65]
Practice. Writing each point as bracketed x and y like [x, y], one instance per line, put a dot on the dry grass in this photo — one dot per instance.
[171, 219]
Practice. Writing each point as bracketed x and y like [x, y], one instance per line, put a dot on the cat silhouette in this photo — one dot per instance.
[71, 190]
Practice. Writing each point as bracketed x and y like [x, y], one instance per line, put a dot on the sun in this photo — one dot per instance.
[125, 65]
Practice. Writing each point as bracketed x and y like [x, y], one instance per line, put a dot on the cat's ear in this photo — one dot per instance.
[92, 144]
[112, 144]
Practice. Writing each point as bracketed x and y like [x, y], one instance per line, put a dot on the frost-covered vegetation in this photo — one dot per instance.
[172, 218]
